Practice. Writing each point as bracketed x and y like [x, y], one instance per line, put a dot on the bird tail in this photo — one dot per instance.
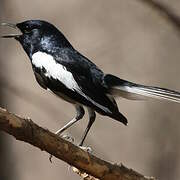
[119, 117]
[132, 91]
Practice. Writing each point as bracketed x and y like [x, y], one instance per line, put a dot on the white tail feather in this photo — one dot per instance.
[140, 92]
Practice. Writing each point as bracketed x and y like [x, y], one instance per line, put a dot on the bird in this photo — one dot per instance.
[58, 67]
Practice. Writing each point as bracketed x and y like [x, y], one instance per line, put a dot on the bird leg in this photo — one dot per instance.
[92, 117]
[79, 115]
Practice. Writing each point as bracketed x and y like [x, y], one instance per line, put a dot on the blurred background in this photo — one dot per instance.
[126, 38]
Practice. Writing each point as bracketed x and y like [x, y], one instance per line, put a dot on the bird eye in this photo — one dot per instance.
[27, 29]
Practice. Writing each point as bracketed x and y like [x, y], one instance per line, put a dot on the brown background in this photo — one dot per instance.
[123, 37]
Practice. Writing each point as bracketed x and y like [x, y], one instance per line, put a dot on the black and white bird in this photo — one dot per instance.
[60, 68]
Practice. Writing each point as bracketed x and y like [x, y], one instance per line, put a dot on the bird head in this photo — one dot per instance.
[38, 35]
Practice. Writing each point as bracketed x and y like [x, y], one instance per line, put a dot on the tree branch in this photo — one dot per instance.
[163, 9]
[26, 130]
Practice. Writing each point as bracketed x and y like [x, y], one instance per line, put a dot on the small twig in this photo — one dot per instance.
[26, 130]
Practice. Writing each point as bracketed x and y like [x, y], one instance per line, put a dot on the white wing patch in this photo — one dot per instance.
[55, 70]
[59, 72]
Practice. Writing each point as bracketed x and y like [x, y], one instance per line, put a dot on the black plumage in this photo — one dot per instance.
[59, 67]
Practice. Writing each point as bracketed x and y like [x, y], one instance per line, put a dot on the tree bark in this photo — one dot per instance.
[26, 130]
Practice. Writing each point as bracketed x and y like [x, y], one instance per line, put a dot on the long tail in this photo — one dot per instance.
[132, 91]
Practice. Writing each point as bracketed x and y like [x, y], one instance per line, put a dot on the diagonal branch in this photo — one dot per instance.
[163, 9]
[26, 130]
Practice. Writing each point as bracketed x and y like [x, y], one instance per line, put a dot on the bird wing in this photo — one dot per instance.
[73, 75]
[89, 79]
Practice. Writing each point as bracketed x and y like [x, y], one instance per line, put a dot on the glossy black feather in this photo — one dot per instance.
[40, 36]
[89, 78]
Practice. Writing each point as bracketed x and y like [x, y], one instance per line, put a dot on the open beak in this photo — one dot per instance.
[14, 27]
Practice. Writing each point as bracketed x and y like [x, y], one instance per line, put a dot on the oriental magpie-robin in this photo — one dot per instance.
[60, 68]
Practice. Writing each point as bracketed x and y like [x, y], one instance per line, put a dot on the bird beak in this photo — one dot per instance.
[14, 27]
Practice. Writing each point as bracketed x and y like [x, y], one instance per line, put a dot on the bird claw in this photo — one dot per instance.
[67, 137]
[88, 149]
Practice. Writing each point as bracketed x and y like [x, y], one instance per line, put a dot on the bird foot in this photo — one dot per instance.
[85, 148]
[67, 137]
